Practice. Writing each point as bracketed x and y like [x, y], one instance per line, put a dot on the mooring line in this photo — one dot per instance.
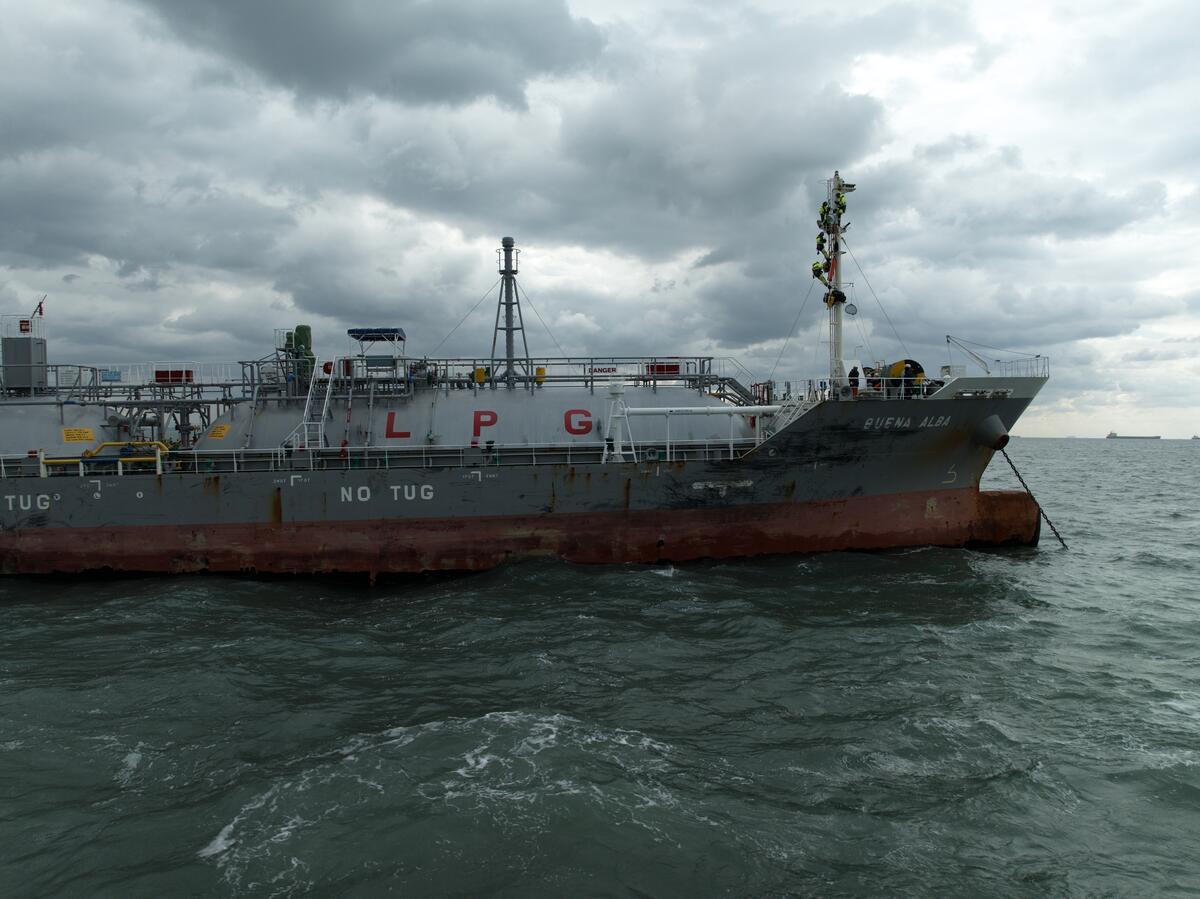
[1041, 511]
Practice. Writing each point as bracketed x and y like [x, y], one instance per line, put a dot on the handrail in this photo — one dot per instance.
[95, 451]
[424, 456]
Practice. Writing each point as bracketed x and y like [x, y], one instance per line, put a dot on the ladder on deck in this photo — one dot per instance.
[737, 389]
[792, 409]
[310, 433]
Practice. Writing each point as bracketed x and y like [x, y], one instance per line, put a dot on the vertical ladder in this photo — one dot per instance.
[349, 407]
[314, 424]
[310, 433]
[616, 427]
[370, 412]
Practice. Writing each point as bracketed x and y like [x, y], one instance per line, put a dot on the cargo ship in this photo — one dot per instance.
[1113, 435]
[373, 461]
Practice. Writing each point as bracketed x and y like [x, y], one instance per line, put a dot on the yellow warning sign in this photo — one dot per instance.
[78, 435]
[219, 432]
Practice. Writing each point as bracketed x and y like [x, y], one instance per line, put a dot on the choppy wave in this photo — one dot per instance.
[930, 721]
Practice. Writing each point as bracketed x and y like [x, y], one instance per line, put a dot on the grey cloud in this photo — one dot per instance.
[218, 169]
[104, 331]
[730, 153]
[419, 291]
[1133, 61]
[720, 255]
[1148, 356]
[746, 44]
[644, 169]
[66, 207]
[1065, 207]
[416, 51]
[948, 148]
[744, 313]
[985, 204]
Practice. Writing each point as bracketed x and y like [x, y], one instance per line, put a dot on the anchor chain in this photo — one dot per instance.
[1034, 498]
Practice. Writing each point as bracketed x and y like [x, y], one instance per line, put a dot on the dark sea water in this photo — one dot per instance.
[931, 722]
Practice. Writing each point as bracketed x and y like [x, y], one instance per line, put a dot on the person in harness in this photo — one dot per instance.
[834, 296]
[818, 272]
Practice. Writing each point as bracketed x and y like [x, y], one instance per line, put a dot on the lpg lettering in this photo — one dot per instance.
[484, 418]
[577, 421]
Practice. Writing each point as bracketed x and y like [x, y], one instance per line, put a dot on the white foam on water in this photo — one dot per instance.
[1185, 703]
[220, 842]
[132, 760]
[477, 761]
[564, 787]
[289, 827]
[1166, 759]
[542, 735]
[224, 840]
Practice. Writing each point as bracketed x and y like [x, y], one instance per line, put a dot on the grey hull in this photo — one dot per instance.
[874, 463]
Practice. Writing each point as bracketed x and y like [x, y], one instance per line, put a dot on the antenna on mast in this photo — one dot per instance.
[510, 307]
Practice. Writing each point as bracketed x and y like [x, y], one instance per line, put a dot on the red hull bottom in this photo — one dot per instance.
[942, 518]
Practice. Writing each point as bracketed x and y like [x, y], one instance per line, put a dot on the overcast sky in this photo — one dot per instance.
[182, 177]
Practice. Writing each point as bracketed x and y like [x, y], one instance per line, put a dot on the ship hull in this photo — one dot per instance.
[844, 476]
[964, 517]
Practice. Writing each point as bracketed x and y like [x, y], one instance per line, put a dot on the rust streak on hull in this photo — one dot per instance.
[945, 518]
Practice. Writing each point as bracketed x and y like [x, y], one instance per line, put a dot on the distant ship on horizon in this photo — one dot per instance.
[1113, 435]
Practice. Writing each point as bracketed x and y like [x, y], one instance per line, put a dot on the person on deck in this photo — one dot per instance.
[854, 381]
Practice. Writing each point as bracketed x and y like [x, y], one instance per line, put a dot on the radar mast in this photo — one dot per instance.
[829, 243]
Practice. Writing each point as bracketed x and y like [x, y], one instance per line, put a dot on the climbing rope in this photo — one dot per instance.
[793, 331]
[878, 302]
[1034, 498]
[465, 317]
[525, 293]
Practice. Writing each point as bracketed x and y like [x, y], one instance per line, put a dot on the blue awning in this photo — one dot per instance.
[377, 335]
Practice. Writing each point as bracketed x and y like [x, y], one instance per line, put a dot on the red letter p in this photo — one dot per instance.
[484, 418]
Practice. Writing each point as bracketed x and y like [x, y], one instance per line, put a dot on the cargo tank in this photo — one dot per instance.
[374, 462]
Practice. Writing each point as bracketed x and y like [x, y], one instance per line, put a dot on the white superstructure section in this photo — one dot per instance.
[475, 416]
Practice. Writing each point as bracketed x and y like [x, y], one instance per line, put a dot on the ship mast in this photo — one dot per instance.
[830, 222]
[510, 308]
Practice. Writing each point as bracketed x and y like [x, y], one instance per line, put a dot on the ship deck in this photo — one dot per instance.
[363, 458]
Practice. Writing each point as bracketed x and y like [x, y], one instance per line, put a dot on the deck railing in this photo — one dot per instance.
[202, 382]
[1031, 367]
[214, 462]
